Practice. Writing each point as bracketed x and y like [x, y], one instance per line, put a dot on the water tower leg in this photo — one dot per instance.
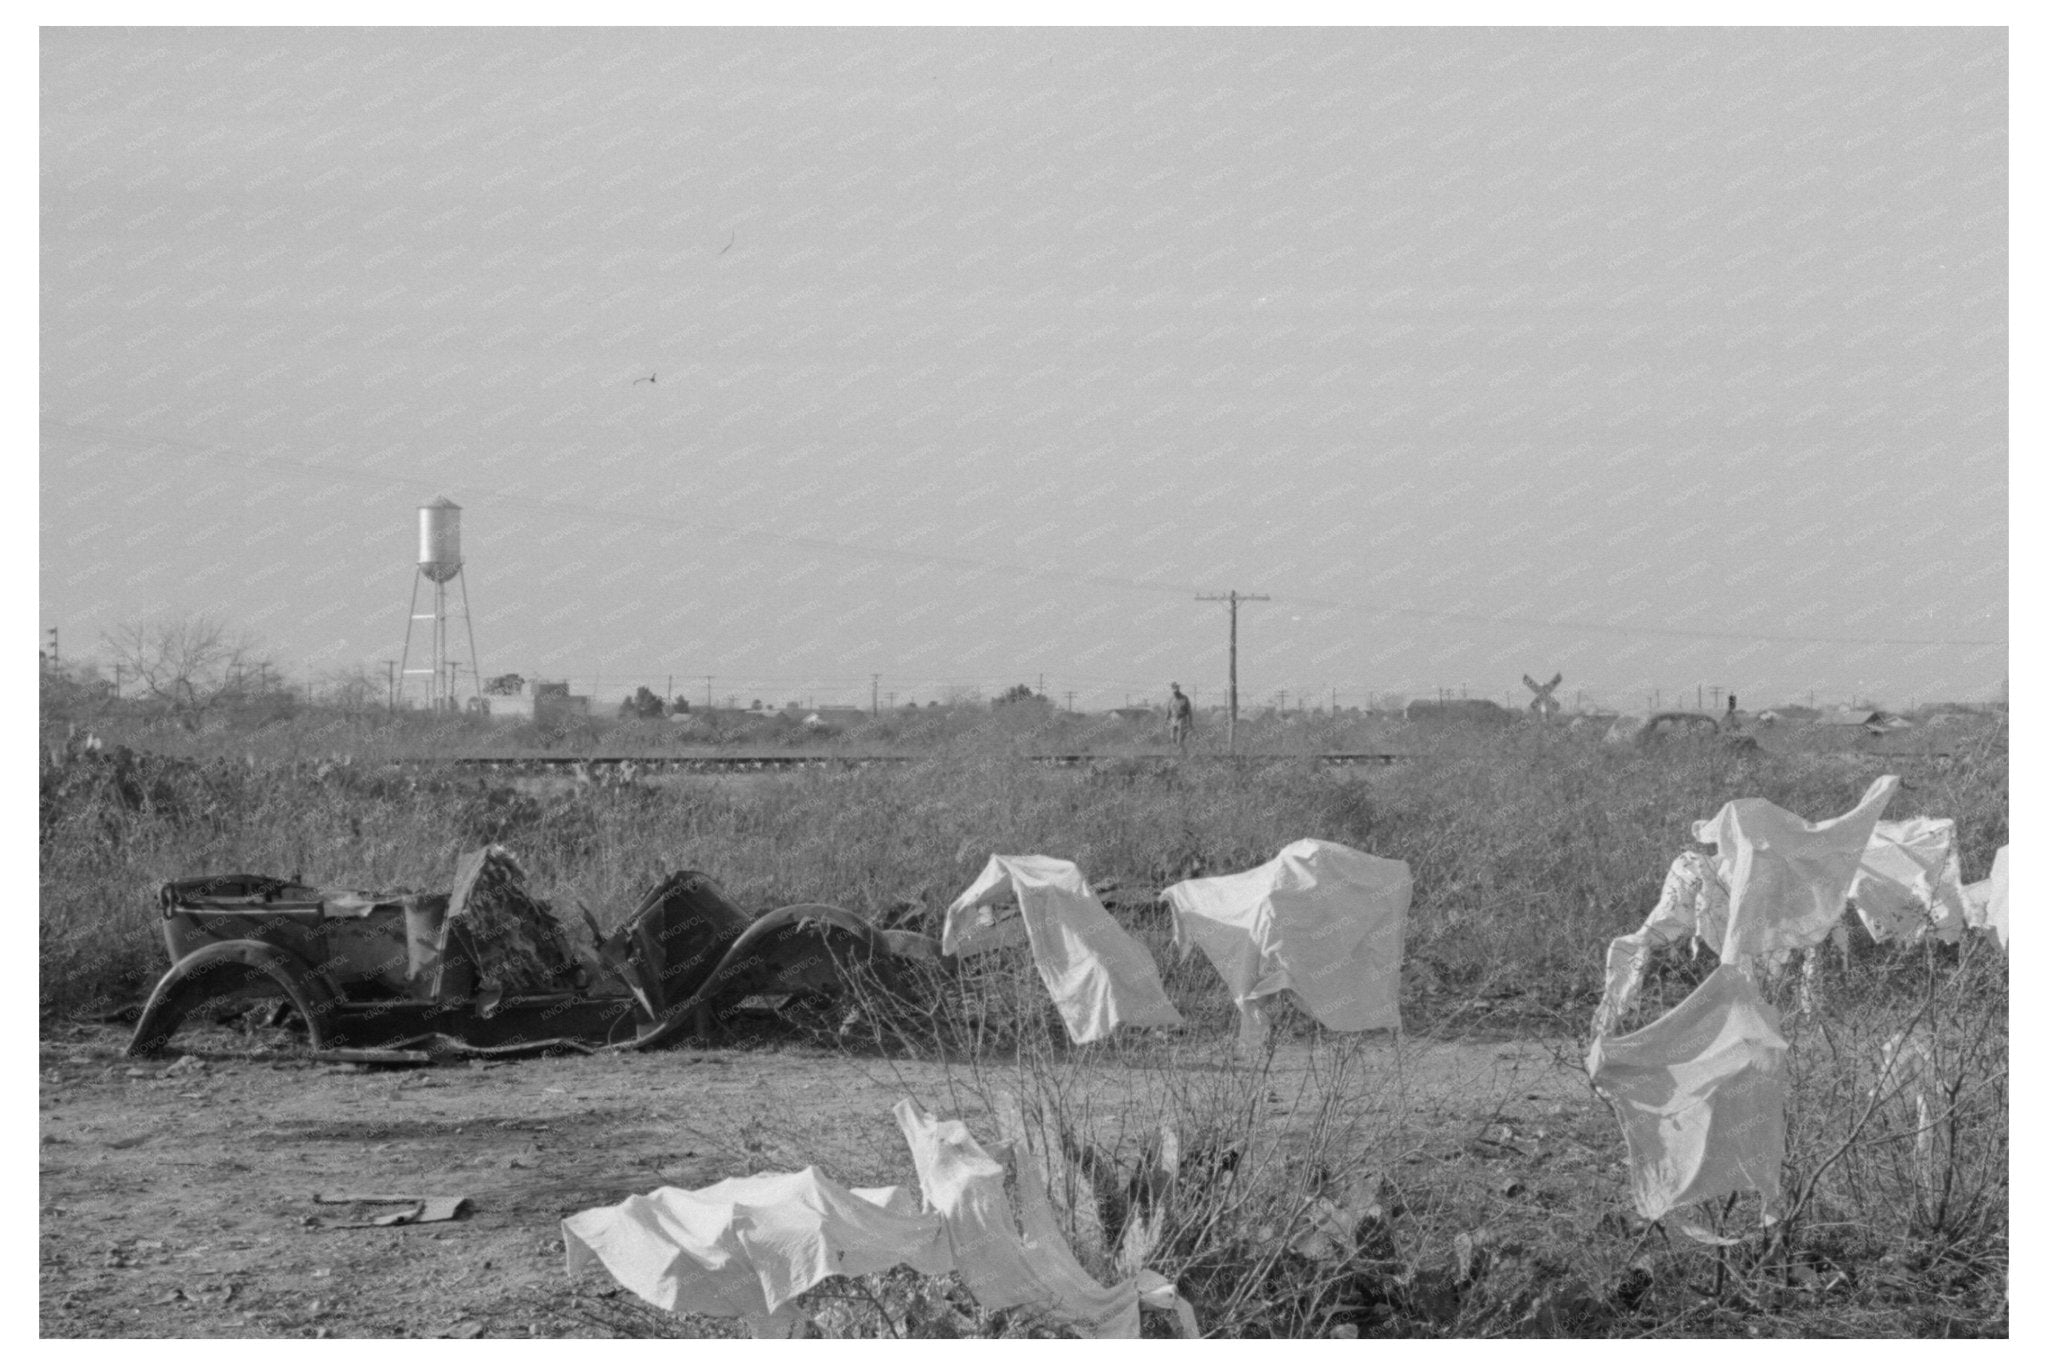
[476, 673]
[412, 609]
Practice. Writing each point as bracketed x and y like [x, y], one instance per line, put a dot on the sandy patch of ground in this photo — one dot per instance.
[178, 1194]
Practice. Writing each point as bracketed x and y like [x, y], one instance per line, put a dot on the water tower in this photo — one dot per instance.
[440, 564]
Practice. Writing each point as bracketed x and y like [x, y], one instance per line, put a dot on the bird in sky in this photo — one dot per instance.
[645, 379]
[729, 241]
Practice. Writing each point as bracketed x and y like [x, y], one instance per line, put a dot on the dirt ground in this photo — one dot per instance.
[178, 1195]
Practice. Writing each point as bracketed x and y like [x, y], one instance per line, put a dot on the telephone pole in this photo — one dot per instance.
[874, 694]
[707, 691]
[390, 686]
[1233, 597]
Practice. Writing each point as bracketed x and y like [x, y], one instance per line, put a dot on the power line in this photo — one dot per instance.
[984, 565]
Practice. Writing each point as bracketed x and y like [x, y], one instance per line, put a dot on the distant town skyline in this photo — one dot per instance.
[1661, 358]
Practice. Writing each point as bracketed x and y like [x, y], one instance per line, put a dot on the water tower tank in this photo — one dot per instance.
[440, 540]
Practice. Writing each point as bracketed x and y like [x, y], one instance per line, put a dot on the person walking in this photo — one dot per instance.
[1180, 717]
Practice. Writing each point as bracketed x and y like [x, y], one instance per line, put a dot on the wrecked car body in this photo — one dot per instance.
[489, 970]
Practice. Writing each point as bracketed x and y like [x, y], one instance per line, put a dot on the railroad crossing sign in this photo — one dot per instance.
[1545, 706]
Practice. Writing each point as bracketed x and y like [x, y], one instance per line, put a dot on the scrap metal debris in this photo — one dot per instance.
[416, 1209]
[488, 971]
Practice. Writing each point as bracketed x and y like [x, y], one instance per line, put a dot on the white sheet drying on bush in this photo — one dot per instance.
[745, 1247]
[1693, 904]
[1098, 975]
[1910, 882]
[1007, 1264]
[1701, 1094]
[1787, 878]
[1987, 899]
[1325, 921]
[748, 1246]
[1775, 883]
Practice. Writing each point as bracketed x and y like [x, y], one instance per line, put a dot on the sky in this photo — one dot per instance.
[1663, 359]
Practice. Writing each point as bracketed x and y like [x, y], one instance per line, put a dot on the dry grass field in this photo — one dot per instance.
[176, 1192]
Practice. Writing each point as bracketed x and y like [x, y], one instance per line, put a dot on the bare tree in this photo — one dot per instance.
[354, 689]
[190, 664]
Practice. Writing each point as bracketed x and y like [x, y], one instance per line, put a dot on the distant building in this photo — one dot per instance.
[1457, 711]
[543, 703]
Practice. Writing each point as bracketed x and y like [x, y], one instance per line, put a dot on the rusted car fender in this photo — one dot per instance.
[763, 943]
[234, 969]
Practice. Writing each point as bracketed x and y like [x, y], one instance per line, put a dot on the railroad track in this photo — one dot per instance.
[789, 762]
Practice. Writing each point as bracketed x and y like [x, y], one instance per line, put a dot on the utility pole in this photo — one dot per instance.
[390, 687]
[874, 694]
[1233, 597]
[1283, 703]
[56, 655]
[1699, 698]
[1717, 697]
[892, 701]
[670, 695]
[1070, 699]
[707, 691]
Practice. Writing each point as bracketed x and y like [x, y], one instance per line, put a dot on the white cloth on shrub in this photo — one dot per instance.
[1907, 883]
[1701, 1096]
[745, 1247]
[1325, 921]
[1008, 1261]
[1693, 904]
[1787, 878]
[1987, 899]
[748, 1246]
[1910, 882]
[1098, 975]
[1775, 883]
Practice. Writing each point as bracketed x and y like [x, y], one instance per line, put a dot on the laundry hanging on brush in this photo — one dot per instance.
[1098, 975]
[1787, 878]
[745, 1247]
[1774, 884]
[1909, 885]
[748, 1247]
[1986, 900]
[1693, 904]
[1701, 1095]
[1322, 920]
